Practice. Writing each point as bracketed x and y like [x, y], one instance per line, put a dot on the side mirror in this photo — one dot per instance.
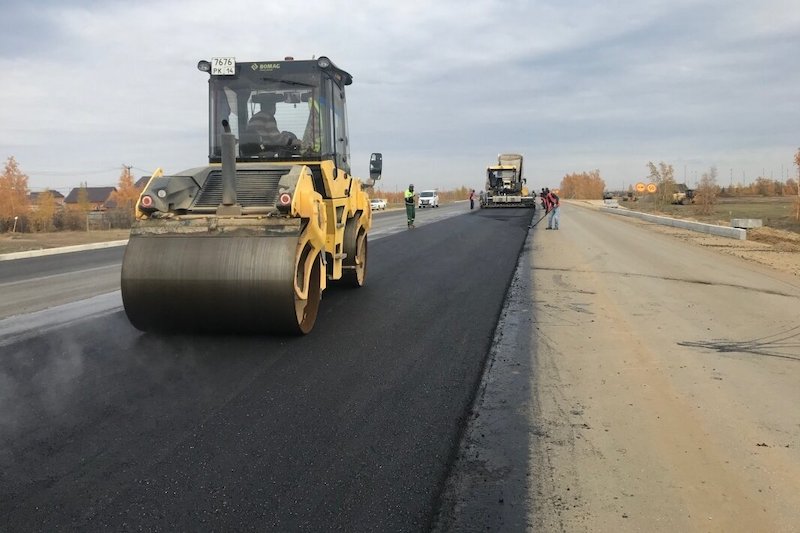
[375, 166]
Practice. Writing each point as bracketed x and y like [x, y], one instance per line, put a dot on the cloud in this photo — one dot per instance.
[92, 85]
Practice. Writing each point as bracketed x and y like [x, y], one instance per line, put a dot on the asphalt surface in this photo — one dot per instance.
[353, 427]
[36, 283]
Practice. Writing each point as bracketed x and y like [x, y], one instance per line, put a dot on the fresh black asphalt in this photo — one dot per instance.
[48, 265]
[352, 427]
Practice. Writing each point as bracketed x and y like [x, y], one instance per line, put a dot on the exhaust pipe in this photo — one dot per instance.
[228, 165]
[228, 207]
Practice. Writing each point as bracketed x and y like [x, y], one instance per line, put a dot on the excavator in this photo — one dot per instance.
[249, 242]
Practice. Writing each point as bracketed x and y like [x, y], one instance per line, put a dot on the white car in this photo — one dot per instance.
[428, 199]
[377, 204]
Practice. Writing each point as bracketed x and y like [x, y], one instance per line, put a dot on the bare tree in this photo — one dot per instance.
[663, 176]
[706, 195]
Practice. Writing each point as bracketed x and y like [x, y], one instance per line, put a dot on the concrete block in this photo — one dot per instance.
[722, 231]
[746, 223]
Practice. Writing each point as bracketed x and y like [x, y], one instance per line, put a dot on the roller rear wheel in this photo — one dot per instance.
[354, 271]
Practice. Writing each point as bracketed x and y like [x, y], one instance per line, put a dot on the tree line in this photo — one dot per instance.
[18, 213]
[590, 185]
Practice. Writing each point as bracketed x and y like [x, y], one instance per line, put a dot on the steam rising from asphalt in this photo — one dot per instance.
[39, 380]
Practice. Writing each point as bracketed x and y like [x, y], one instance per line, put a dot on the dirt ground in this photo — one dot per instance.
[22, 242]
[775, 248]
[778, 249]
[643, 379]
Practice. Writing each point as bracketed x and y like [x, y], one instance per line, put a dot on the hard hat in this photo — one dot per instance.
[411, 186]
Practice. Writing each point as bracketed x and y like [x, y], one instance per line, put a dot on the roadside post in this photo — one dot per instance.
[651, 189]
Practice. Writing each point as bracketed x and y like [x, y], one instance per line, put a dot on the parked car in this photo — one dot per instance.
[377, 204]
[428, 199]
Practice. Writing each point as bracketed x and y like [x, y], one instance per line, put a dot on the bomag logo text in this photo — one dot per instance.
[265, 66]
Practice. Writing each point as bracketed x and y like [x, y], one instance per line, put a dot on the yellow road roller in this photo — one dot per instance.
[249, 242]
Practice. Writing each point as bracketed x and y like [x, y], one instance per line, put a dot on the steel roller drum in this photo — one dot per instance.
[211, 283]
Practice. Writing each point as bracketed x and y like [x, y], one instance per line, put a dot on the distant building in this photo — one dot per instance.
[141, 182]
[33, 198]
[99, 197]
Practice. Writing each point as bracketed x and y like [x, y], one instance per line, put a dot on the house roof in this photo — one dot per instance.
[35, 195]
[96, 194]
[141, 182]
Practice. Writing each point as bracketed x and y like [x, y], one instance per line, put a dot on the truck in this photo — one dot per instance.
[505, 185]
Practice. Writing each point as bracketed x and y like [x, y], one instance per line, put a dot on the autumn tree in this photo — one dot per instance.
[663, 176]
[125, 198]
[44, 215]
[127, 194]
[764, 186]
[584, 186]
[13, 194]
[706, 194]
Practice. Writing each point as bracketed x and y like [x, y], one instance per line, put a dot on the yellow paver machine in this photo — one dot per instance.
[249, 242]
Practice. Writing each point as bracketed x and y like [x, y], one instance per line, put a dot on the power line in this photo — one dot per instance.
[69, 172]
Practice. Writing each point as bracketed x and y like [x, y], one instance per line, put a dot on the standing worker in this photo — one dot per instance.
[543, 196]
[472, 198]
[410, 204]
[553, 202]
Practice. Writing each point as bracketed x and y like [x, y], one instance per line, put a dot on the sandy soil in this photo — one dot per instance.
[666, 381]
[767, 246]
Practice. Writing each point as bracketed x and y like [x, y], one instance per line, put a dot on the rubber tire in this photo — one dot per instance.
[353, 232]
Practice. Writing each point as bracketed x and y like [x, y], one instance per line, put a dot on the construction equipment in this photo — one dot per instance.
[249, 242]
[505, 186]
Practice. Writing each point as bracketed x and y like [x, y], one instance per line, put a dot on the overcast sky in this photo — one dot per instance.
[440, 87]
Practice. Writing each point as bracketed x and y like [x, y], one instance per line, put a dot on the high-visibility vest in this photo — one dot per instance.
[409, 197]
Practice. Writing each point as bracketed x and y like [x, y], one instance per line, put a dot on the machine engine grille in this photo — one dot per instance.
[254, 188]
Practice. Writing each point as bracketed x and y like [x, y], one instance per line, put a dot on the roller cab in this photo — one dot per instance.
[249, 242]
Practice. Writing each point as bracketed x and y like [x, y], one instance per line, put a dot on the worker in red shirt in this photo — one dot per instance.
[553, 205]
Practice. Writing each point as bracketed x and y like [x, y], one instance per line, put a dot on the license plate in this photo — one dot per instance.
[223, 66]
